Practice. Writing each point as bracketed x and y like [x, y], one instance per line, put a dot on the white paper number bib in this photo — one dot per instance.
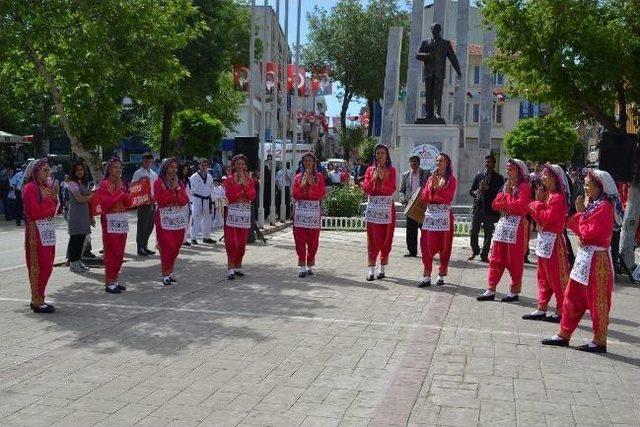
[437, 218]
[546, 242]
[117, 223]
[582, 264]
[239, 215]
[173, 218]
[507, 229]
[47, 231]
[307, 214]
[379, 210]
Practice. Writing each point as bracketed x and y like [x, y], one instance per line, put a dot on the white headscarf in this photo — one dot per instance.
[523, 176]
[610, 191]
[561, 178]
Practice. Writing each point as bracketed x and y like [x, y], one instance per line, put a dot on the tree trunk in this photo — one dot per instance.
[346, 100]
[630, 225]
[622, 105]
[76, 146]
[371, 107]
[165, 139]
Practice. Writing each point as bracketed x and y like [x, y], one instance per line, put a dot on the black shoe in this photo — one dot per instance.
[121, 287]
[238, 273]
[440, 282]
[381, 276]
[484, 258]
[149, 252]
[172, 279]
[554, 318]
[209, 241]
[142, 252]
[45, 308]
[425, 284]
[309, 273]
[555, 343]
[114, 290]
[531, 316]
[19, 223]
[89, 255]
[410, 255]
[194, 242]
[472, 257]
[486, 297]
[231, 276]
[370, 278]
[166, 281]
[186, 244]
[511, 298]
[589, 349]
[302, 274]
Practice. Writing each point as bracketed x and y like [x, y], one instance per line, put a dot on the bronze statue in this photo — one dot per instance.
[434, 54]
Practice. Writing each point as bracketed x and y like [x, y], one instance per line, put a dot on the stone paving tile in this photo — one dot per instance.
[332, 349]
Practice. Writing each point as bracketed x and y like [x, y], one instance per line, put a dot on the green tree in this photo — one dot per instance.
[90, 55]
[351, 138]
[367, 150]
[352, 38]
[542, 139]
[581, 56]
[197, 132]
[223, 40]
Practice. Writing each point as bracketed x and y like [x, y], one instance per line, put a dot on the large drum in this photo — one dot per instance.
[415, 208]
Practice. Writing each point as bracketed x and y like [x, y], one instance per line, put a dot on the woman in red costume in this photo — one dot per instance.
[240, 190]
[170, 218]
[549, 211]
[592, 276]
[308, 191]
[437, 229]
[509, 239]
[114, 200]
[380, 185]
[40, 201]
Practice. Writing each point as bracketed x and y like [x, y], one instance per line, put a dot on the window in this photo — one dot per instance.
[497, 113]
[498, 79]
[473, 113]
[476, 74]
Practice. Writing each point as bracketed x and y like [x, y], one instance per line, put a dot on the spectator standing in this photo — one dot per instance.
[283, 184]
[359, 172]
[5, 188]
[79, 217]
[412, 180]
[16, 183]
[145, 212]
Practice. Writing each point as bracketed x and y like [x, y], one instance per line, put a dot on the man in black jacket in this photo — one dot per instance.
[485, 188]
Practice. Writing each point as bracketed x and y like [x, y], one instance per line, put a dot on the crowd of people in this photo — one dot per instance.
[182, 205]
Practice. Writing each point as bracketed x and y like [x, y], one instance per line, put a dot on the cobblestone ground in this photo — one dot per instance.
[327, 350]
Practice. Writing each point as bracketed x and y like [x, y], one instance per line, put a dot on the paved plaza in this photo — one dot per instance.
[327, 350]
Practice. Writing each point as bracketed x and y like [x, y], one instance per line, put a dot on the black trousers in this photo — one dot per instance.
[145, 225]
[412, 236]
[19, 207]
[287, 202]
[74, 249]
[488, 225]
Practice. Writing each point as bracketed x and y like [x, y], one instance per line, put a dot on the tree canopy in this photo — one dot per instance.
[352, 38]
[542, 139]
[581, 56]
[198, 132]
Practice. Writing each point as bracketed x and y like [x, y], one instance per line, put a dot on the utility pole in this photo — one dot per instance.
[284, 109]
[263, 115]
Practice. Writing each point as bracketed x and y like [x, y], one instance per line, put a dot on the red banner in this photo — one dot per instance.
[95, 208]
[321, 83]
[271, 84]
[299, 77]
[241, 77]
[140, 193]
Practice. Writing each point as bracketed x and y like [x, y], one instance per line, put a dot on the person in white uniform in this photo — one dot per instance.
[201, 190]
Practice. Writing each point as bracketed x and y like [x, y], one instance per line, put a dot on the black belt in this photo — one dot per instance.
[202, 197]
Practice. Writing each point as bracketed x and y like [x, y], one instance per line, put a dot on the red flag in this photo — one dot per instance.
[321, 83]
[271, 84]
[241, 77]
[299, 77]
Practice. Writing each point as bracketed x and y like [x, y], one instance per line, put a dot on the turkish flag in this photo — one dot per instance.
[241, 77]
[321, 83]
[298, 76]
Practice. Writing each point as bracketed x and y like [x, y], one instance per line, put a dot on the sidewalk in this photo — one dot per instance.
[327, 350]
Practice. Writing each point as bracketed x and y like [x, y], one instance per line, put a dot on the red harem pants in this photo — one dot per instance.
[235, 242]
[113, 246]
[509, 256]
[436, 242]
[380, 240]
[306, 240]
[39, 262]
[596, 297]
[169, 243]
[553, 275]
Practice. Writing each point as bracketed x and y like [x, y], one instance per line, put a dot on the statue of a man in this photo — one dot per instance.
[434, 54]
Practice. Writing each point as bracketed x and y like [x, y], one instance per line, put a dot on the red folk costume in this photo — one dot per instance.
[509, 239]
[237, 218]
[307, 217]
[592, 277]
[438, 227]
[40, 242]
[115, 226]
[553, 263]
[170, 220]
[380, 214]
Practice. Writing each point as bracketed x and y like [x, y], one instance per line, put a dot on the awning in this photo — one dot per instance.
[9, 138]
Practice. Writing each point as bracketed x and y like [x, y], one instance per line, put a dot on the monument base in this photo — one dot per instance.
[430, 121]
